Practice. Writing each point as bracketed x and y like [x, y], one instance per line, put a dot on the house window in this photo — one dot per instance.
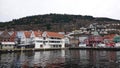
[0, 39]
[41, 45]
[53, 45]
[8, 40]
[39, 41]
[4, 40]
[56, 45]
[44, 38]
[59, 45]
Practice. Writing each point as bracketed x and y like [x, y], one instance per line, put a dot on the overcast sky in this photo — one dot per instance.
[14, 9]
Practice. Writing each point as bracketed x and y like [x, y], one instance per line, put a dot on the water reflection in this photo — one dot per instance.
[61, 59]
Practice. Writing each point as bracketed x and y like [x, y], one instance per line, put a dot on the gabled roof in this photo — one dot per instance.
[27, 34]
[55, 34]
[8, 36]
[37, 33]
[5, 34]
[13, 35]
[110, 36]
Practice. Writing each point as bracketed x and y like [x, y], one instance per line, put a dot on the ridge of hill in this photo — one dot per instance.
[54, 22]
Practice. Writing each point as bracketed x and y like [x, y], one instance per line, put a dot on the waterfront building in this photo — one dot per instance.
[7, 39]
[74, 42]
[83, 42]
[116, 39]
[108, 38]
[117, 44]
[24, 40]
[83, 37]
[94, 39]
[47, 39]
[67, 40]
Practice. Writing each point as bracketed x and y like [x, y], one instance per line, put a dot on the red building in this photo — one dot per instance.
[108, 40]
[94, 39]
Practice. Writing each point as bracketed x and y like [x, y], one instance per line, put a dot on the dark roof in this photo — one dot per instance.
[5, 34]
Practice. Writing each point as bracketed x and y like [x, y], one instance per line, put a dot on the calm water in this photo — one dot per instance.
[61, 59]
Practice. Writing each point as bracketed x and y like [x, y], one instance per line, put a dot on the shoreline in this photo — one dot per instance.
[48, 49]
[94, 48]
[28, 49]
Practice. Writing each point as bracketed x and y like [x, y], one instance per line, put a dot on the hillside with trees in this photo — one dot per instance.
[54, 22]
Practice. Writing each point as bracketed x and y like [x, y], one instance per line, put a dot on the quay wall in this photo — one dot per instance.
[95, 48]
[28, 49]
[68, 48]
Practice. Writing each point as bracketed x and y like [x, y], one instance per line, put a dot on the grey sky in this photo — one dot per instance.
[14, 9]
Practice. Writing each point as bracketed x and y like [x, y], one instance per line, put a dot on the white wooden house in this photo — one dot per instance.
[47, 39]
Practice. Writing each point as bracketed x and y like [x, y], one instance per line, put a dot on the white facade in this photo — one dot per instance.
[67, 41]
[101, 45]
[43, 41]
[117, 44]
[8, 45]
[82, 45]
[82, 39]
[23, 39]
[48, 43]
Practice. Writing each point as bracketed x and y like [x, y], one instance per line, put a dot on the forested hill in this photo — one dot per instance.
[54, 22]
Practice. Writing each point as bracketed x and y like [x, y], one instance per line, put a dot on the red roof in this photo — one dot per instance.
[13, 36]
[27, 34]
[55, 34]
[109, 37]
[38, 33]
[48, 34]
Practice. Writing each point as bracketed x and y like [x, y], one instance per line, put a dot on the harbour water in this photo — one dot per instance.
[61, 59]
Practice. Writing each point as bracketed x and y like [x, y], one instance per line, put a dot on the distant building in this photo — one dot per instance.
[100, 28]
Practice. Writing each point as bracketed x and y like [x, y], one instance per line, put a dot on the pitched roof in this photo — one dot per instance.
[55, 34]
[37, 33]
[110, 36]
[48, 34]
[5, 34]
[8, 36]
[13, 35]
[27, 34]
